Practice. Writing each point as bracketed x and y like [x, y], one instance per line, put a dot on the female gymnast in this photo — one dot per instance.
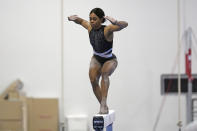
[103, 62]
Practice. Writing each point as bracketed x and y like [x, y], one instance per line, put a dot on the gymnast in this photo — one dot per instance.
[103, 62]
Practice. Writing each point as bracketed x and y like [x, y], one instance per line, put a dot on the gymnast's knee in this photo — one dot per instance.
[105, 75]
[94, 81]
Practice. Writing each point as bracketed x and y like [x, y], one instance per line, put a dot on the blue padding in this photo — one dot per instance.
[109, 128]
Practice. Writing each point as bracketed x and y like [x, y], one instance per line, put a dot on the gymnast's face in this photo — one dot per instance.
[95, 21]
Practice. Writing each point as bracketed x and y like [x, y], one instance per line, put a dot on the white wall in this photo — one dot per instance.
[30, 49]
[30, 40]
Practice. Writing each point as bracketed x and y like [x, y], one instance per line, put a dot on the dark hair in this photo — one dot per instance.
[99, 12]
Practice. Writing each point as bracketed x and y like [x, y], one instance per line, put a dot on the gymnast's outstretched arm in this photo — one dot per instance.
[116, 25]
[80, 21]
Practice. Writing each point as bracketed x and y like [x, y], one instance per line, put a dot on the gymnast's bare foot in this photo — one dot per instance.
[104, 109]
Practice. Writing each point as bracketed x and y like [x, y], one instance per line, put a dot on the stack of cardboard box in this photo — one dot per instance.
[42, 114]
[20, 113]
[10, 115]
[12, 92]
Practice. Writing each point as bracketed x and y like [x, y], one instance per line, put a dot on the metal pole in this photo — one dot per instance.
[189, 102]
[189, 74]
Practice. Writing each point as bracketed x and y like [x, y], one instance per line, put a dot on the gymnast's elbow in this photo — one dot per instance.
[125, 24]
[122, 26]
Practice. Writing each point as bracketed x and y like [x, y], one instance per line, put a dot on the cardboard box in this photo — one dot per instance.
[12, 90]
[10, 115]
[10, 110]
[42, 114]
[13, 96]
[10, 125]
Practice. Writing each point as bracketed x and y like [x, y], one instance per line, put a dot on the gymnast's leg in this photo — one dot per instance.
[94, 75]
[107, 69]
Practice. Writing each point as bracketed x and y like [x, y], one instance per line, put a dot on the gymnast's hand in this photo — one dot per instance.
[72, 17]
[112, 20]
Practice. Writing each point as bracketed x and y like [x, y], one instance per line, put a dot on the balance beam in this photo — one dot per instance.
[101, 121]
